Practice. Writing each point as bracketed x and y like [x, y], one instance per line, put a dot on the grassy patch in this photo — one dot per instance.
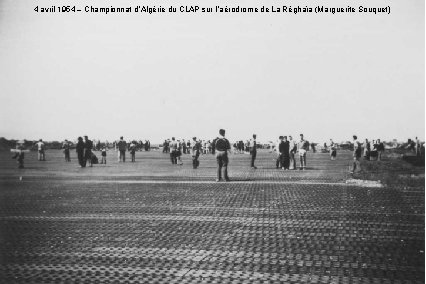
[392, 171]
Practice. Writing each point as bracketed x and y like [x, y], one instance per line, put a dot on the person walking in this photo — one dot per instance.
[122, 145]
[222, 147]
[356, 155]
[80, 152]
[253, 151]
[293, 150]
[302, 147]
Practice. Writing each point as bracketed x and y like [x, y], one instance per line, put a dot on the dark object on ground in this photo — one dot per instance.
[94, 159]
[415, 160]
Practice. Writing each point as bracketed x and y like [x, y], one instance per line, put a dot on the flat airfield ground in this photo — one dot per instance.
[153, 222]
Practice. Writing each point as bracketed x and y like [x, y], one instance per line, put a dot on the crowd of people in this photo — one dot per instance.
[288, 151]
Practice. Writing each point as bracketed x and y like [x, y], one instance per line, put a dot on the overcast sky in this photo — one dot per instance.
[161, 75]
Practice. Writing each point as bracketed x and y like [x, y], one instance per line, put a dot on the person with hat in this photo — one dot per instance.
[195, 152]
[222, 147]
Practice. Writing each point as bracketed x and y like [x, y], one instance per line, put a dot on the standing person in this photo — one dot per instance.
[195, 152]
[366, 149]
[80, 152]
[333, 151]
[380, 149]
[103, 155]
[303, 147]
[356, 155]
[173, 151]
[122, 145]
[19, 154]
[418, 147]
[146, 145]
[179, 153]
[66, 147]
[132, 150]
[278, 162]
[285, 153]
[222, 147]
[188, 146]
[165, 146]
[184, 146]
[41, 149]
[253, 151]
[313, 147]
[88, 145]
[293, 150]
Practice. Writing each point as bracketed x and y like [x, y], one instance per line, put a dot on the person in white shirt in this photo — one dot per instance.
[356, 155]
[302, 147]
[41, 149]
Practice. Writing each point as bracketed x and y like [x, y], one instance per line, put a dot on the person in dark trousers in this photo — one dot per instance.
[222, 147]
[122, 145]
[195, 152]
[80, 152]
[103, 155]
[285, 153]
[19, 154]
[278, 162]
[356, 167]
[314, 150]
[88, 145]
[173, 151]
[380, 149]
[132, 150]
[66, 147]
[293, 150]
[253, 151]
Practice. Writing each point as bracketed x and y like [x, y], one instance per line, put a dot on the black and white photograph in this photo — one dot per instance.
[221, 142]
